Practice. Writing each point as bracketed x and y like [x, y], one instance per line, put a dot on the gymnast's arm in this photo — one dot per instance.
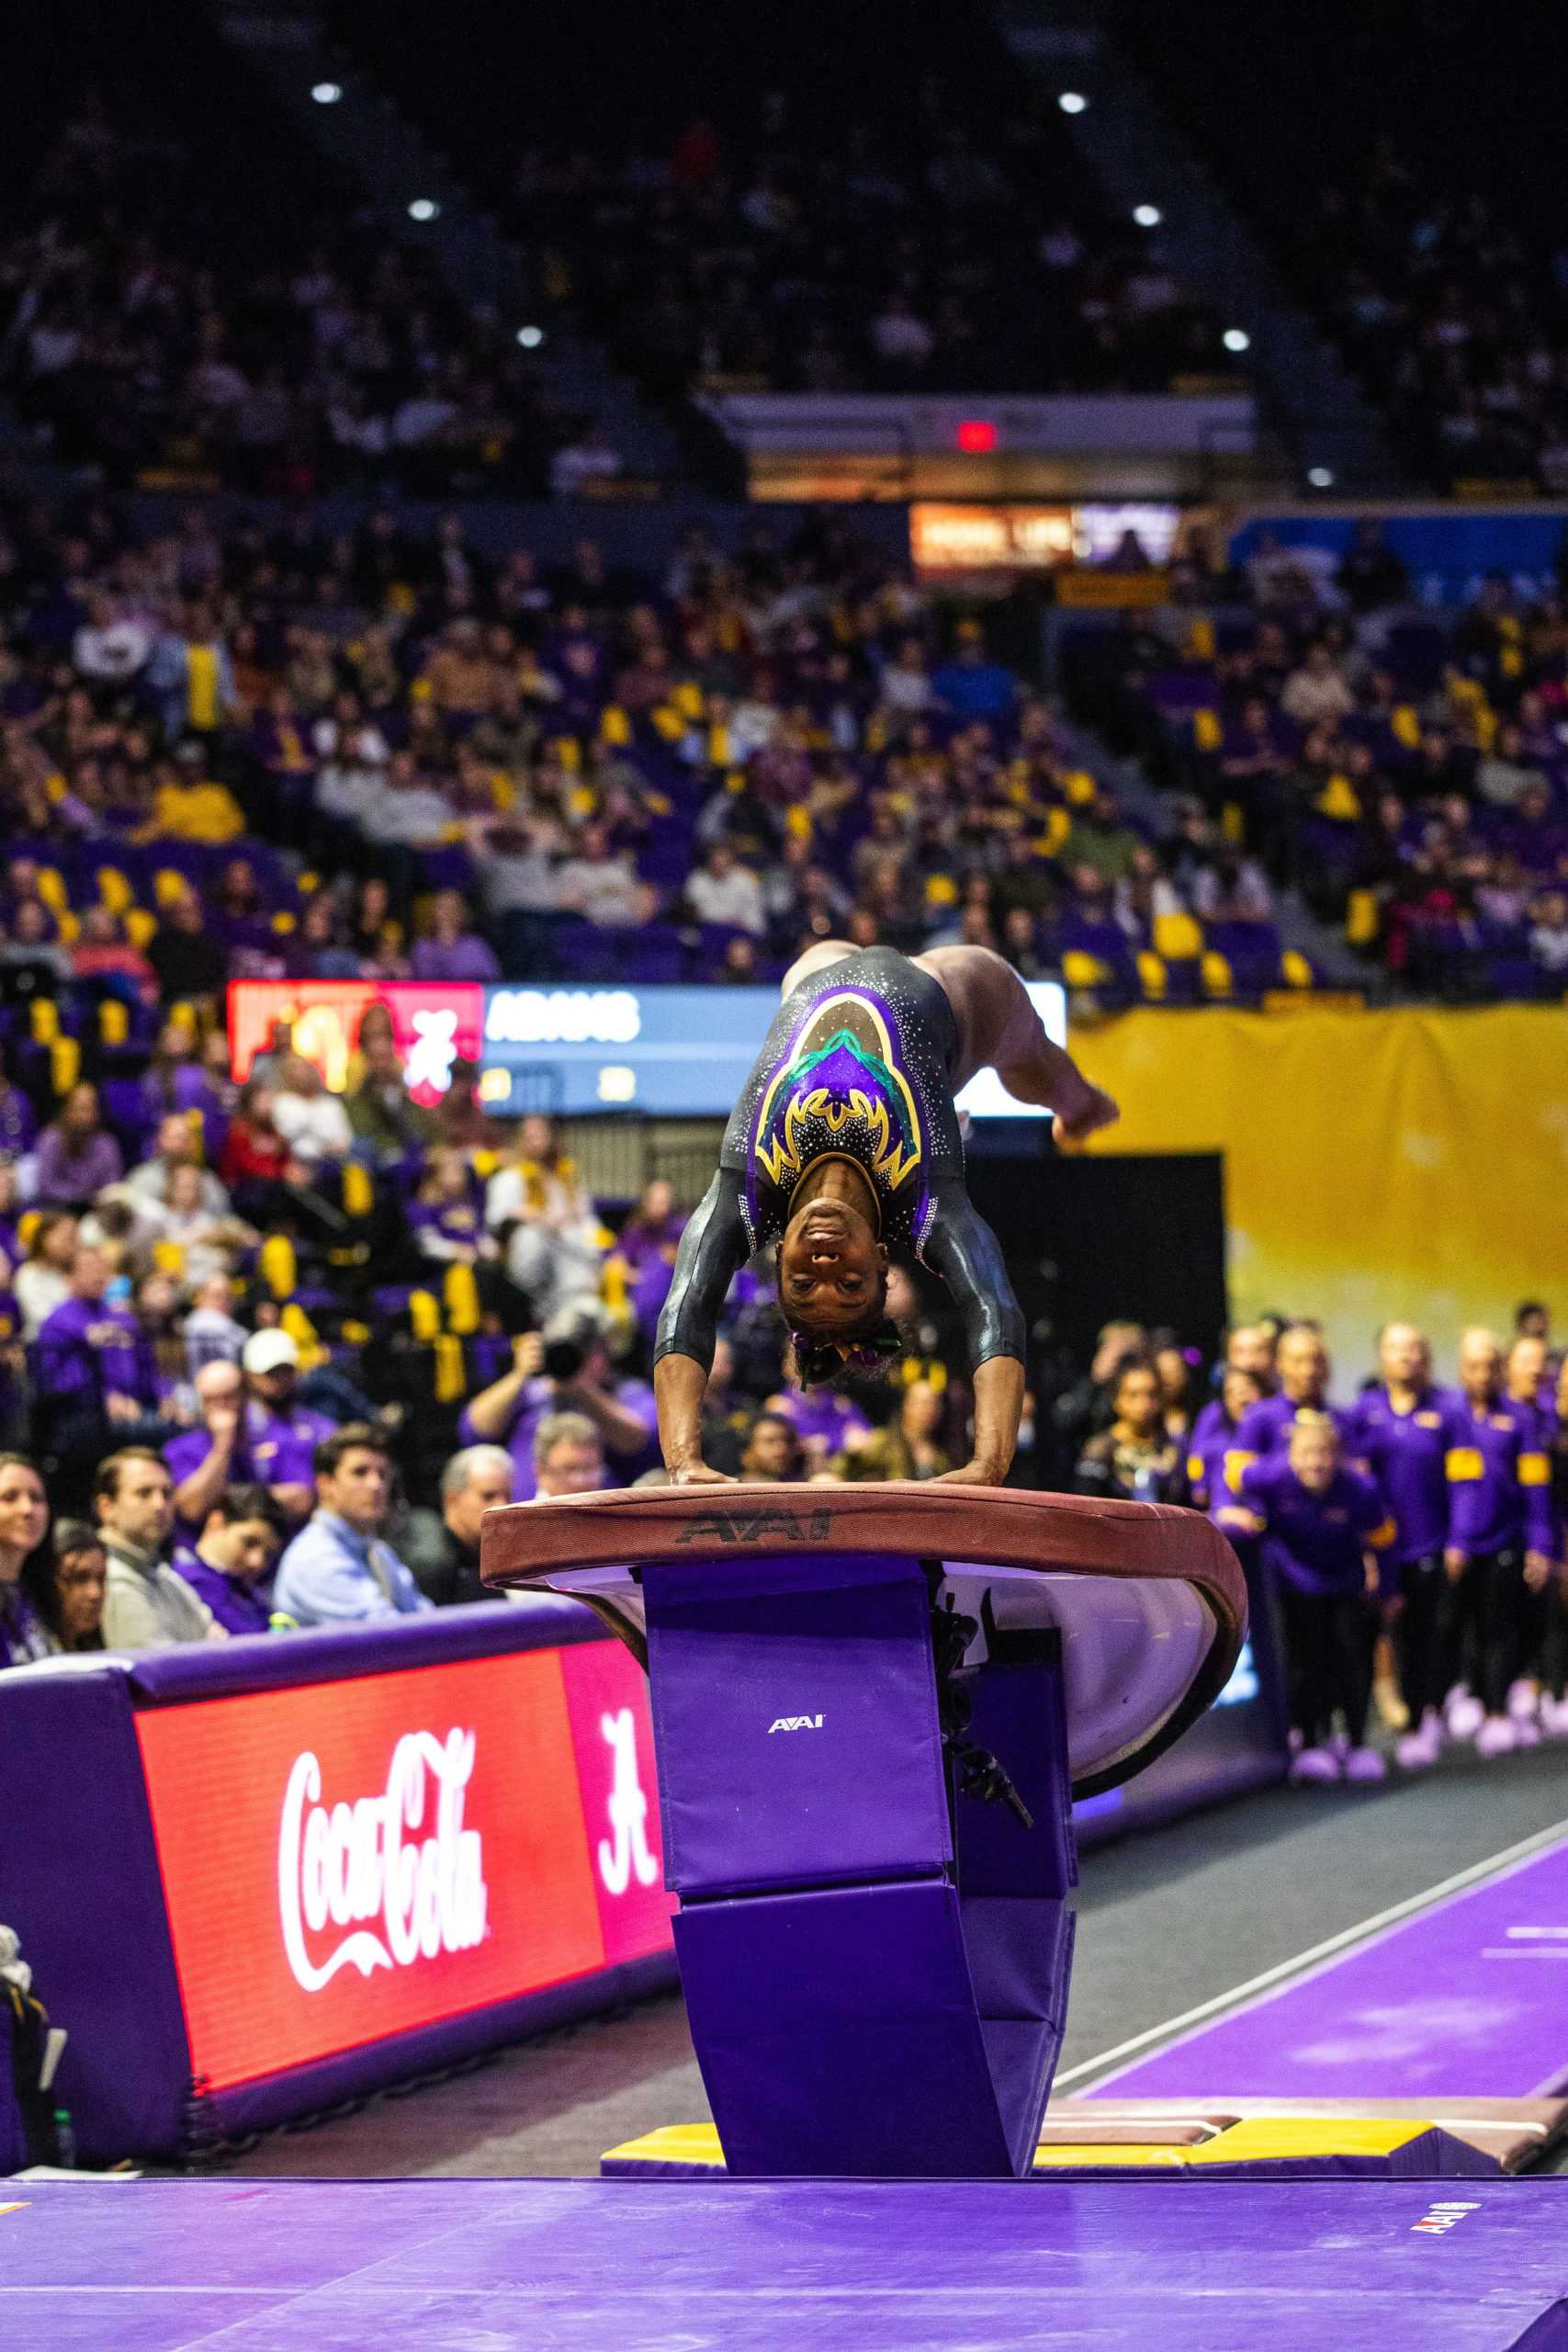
[713, 1245]
[964, 1251]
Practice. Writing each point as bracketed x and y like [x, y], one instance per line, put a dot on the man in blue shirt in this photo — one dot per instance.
[338, 1571]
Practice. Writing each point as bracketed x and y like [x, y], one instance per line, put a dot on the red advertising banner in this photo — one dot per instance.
[345, 1861]
[434, 1024]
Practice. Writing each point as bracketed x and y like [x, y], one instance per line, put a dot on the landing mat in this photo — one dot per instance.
[748, 2266]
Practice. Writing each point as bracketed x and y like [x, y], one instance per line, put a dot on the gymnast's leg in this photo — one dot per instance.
[998, 1028]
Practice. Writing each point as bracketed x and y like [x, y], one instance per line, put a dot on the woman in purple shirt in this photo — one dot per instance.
[453, 951]
[76, 1155]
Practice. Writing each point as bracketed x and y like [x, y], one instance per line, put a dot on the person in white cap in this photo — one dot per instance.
[270, 1362]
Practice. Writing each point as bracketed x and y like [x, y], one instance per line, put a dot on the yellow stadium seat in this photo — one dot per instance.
[114, 889]
[1216, 972]
[43, 1019]
[64, 1064]
[1361, 918]
[941, 890]
[358, 1191]
[1207, 732]
[168, 883]
[1179, 938]
[114, 1021]
[1082, 970]
[283, 922]
[302, 1331]
[26, 1225]
[51, 889]
[69, 926]
[425, 1316]
[460, 1293]
[1297, 970]
[278, 1269]
[1151, 975]
[1079, 786]
[139, 924]
[1233, 822]
[451, 1378]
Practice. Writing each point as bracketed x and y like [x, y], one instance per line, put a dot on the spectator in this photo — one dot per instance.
[566, 1368]
[601, 883]
[233, 1556]
[475, 1481]
[568, 1458]
[338, 1569]
[240, 1443]
[825, 1422]
[146, 1600]
[42, 1281]
[76, 1155]
[271, 1366]
[19, 1120]
[910, 1446]
[93, 1366]
[453, 949]
[67, 1581]
[312, 1123]
[178, 1146]
[723, 891]
[24, 1522]
[544, 1221]
[772, 1454]
[1136, 1459]
[256, 1158]
[389, 1126]
[190, 962]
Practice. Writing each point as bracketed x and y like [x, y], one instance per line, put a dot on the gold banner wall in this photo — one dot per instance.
[1410, 1163]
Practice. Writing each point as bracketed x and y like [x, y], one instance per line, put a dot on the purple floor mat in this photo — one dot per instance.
[571, 2265]
[1469, 1999]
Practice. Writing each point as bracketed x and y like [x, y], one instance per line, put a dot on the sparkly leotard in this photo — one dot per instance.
[857, 1064]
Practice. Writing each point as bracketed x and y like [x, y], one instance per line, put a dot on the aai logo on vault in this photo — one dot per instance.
[794, 1722]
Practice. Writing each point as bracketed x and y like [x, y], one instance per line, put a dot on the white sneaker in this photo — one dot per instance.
[1497, 1737]
[1365, 1764]
[1466, 1716]
[1415, 1753]
[1522, 1698]
[1316, 1764]
[1554, 1718]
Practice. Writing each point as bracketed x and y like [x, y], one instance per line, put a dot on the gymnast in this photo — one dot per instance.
[844, 1149]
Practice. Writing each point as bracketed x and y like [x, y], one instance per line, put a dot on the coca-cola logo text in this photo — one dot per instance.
[358, 1863]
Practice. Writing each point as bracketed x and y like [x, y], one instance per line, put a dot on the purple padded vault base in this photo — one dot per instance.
[745, 2266]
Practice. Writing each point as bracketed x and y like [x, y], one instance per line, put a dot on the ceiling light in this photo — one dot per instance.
[1147, 216]
[1072, 102]
[1236, 339]
[326, 94]
[423, 209]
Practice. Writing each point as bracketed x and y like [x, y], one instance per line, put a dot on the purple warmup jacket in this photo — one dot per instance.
[237, 1605]
[1408, 1454]
[1315, 1542]
[1213, 1436]
[1501, 1479]
[1264, 1429]
[86, 1350]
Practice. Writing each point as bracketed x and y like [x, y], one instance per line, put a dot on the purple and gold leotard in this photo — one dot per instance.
[857, 1064]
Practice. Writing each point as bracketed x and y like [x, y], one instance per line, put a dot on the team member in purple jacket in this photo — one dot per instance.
[1526, 1386]
[1402, 1433]
[1303, 1372]
[1499, 1547]
[1323, 1526]
[1213, 1436]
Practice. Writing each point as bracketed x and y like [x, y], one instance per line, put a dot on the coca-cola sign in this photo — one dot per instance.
[365, 1861]
[351, 1859]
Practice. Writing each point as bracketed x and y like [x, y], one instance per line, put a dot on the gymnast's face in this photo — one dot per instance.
[831, 1270]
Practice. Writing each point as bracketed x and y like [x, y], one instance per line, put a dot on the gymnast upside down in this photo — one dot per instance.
[845, 1148]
